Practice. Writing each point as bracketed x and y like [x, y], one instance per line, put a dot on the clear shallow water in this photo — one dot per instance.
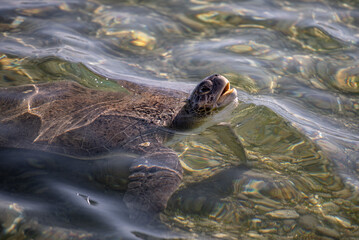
[295, 65]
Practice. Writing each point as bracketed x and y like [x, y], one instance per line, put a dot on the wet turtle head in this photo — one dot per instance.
[210, 101]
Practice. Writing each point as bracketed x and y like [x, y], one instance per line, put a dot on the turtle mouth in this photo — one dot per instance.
[227, 90]
[227, 95]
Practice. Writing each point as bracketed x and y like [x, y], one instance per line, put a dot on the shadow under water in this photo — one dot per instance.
[45, 195]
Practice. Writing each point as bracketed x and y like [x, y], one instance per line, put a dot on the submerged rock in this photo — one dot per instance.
[283, 214]
[327, 232]
[308, 222]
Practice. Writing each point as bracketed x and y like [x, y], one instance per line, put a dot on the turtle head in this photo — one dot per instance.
[212, 98]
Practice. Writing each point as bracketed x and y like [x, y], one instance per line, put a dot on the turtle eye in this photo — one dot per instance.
[204, 89]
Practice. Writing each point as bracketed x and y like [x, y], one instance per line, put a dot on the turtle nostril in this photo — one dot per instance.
[213, 76]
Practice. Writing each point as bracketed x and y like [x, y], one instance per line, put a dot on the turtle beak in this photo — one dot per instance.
[227, 95]
[227, 90]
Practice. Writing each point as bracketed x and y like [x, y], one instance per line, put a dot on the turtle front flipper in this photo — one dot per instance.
[153, 178]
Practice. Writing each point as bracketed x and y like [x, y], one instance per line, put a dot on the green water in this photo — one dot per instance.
[295, 65]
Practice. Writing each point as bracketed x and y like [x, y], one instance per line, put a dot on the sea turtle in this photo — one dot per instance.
[66, 118]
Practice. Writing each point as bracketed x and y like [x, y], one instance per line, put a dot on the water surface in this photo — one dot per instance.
[295, 65]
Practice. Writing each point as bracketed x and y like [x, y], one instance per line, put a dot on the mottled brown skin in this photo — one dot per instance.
[67, 118]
